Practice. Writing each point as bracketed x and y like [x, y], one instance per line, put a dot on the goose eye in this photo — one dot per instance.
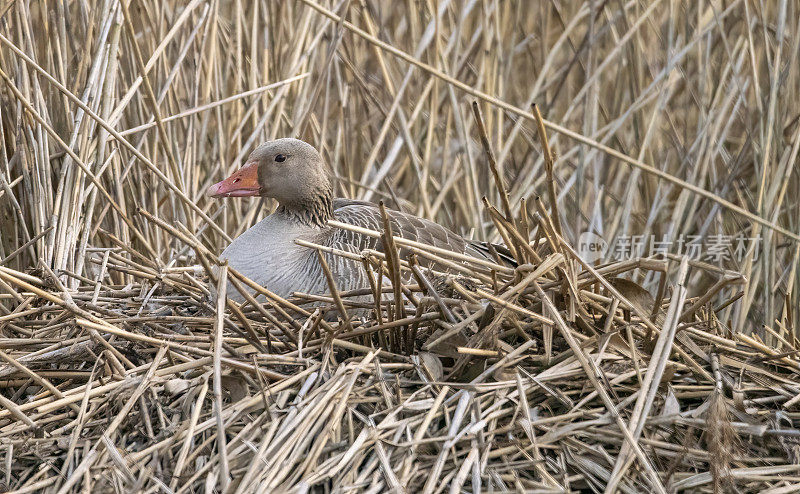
[280, 158]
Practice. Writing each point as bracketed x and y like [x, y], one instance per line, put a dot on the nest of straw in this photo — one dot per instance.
[551, 376]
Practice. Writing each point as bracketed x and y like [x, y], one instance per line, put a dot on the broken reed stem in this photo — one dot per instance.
[392, 266]
[222, 285]
[334, 291]
[487, 149]
[548, 169]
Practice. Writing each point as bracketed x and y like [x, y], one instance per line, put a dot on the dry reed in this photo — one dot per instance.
[670, 119]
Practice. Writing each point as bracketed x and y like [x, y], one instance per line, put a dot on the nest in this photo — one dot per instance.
[550, 376]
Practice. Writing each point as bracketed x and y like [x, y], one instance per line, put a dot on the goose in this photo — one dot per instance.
[294, 174]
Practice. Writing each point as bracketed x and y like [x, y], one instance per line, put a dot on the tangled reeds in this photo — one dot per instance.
[662, 373]
[550, 376]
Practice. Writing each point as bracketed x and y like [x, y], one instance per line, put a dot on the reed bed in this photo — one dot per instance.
[527, 124]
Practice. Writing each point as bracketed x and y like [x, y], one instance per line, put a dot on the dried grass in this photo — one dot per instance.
[656, 373]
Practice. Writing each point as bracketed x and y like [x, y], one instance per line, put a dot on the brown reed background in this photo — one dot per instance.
[705, 92]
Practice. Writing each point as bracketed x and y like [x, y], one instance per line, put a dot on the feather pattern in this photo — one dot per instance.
[404, 225]
[267, 252]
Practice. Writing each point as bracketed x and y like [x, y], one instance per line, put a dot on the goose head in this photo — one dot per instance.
[288, 170]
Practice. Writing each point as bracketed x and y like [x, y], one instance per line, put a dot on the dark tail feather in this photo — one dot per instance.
[496, 252]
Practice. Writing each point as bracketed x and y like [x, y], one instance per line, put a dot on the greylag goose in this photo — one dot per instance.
[293, 173]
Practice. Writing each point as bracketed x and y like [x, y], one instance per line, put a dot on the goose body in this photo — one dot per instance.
[292, 172]
[267, 254]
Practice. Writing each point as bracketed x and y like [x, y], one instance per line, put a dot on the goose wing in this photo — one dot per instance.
[404, 225]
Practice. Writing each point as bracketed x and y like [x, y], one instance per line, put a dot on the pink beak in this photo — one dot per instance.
[242, 183]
